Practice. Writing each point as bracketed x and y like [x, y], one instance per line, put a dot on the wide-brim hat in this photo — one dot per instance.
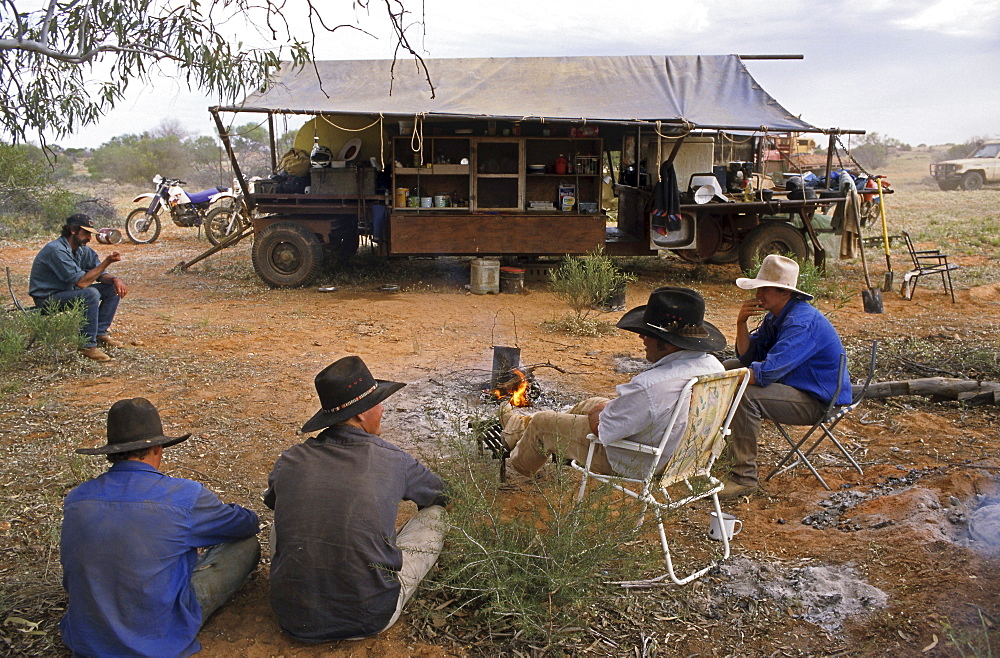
[346, 388]
[775, 272]
[677, 316]
[133, 424]
[79, 220]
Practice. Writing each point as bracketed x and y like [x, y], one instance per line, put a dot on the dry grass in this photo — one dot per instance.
[41, 429]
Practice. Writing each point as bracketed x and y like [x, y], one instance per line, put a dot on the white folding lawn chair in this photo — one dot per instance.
[714, 399]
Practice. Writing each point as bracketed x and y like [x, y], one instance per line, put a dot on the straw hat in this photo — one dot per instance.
[775, 272]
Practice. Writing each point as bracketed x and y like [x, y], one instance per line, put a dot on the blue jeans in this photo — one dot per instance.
[100, 302]
[221, 570]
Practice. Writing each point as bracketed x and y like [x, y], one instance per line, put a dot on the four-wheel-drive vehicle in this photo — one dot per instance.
[520, 158]
[970, 173]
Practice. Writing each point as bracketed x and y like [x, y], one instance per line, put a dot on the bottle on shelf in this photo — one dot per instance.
[561, 163]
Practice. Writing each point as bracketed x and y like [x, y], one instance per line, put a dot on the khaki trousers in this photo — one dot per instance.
[778, 402]
[533, 438]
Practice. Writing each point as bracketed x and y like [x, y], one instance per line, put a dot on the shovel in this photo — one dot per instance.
[887, 284]
[871, 298]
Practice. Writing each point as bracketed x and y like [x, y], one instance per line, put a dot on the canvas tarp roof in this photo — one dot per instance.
[713, 91]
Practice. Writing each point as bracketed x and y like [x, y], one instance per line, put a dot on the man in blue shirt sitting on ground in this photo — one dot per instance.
[67, 269]
[130, 538]
[793, 357]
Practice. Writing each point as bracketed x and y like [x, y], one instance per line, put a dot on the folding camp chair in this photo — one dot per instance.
[17, 302]
[714, 399]
[832, 415]
[927, 261]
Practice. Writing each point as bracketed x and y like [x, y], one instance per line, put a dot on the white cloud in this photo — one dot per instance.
[957, 18]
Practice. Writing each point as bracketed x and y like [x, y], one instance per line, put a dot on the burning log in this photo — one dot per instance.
[517, 387]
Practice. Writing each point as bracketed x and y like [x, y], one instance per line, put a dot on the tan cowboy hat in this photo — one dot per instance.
[346, 388]
[775, 272]
[132, 425]
[677, 316]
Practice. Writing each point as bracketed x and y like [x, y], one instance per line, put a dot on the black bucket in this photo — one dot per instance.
[505, 359]
[512, 280]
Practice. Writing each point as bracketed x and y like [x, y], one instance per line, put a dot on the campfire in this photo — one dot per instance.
[516, 386]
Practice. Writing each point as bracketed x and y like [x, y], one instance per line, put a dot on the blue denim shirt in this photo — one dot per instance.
[128, 548]
[57, 267]
[799, 348]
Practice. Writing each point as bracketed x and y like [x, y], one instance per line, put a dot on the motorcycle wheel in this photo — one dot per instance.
[142, 228]
[221, 223]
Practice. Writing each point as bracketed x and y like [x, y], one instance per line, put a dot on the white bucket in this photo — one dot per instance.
[485, 277]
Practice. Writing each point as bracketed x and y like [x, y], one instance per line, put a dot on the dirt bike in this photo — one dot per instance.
[868, 189]
[231, 213]
[143, 224]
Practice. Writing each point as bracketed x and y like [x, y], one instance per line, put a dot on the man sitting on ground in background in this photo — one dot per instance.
[676, 338]
[130, 538]
[67, 269]
[793, 357]
[338, 569]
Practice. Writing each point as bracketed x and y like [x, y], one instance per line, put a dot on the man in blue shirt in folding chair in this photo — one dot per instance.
[794, 359]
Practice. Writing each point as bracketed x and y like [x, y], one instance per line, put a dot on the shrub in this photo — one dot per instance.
[586, 281]
[36, 338]
[525, 572]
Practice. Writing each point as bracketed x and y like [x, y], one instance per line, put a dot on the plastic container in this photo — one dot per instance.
[484, 277]
[426, 202]
[401, 194]
[512, 280]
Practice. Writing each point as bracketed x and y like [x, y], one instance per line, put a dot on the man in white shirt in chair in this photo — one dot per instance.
[676, 338]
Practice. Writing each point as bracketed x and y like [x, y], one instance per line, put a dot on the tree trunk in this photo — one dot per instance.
[941, 388]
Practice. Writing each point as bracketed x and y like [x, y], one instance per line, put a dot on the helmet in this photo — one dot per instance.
[321, 156]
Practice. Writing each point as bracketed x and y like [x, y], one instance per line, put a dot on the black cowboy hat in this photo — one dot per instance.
[677, 316]
[132, 425]
[346, 388]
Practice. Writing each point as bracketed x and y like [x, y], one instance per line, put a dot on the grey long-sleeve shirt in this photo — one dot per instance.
[335, 499]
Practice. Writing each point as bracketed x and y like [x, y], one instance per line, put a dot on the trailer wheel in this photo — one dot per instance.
[728, 250]
[771, 238]
[286, 255]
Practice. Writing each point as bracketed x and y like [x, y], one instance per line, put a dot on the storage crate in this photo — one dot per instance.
[350, 181]
[538, 272]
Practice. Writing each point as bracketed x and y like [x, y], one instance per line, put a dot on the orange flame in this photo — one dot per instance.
[516, 391]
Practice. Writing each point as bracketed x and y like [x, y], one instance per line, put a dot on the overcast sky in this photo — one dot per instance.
[921, 71]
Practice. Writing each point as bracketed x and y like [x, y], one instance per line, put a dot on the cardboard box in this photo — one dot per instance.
[347, 182]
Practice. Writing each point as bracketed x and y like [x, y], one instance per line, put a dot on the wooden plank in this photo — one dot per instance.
[541, 234]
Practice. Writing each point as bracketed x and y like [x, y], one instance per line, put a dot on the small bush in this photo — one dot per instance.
[527, 573]
[584, 282]
[577, 325]
[39, 338]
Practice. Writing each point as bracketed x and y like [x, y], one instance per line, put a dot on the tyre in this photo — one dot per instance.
[142, 228]
[870, 212]
[771, 238]
[728, 250]
[948, 185]
[222, 222]
[286, 255]
[972, 180]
